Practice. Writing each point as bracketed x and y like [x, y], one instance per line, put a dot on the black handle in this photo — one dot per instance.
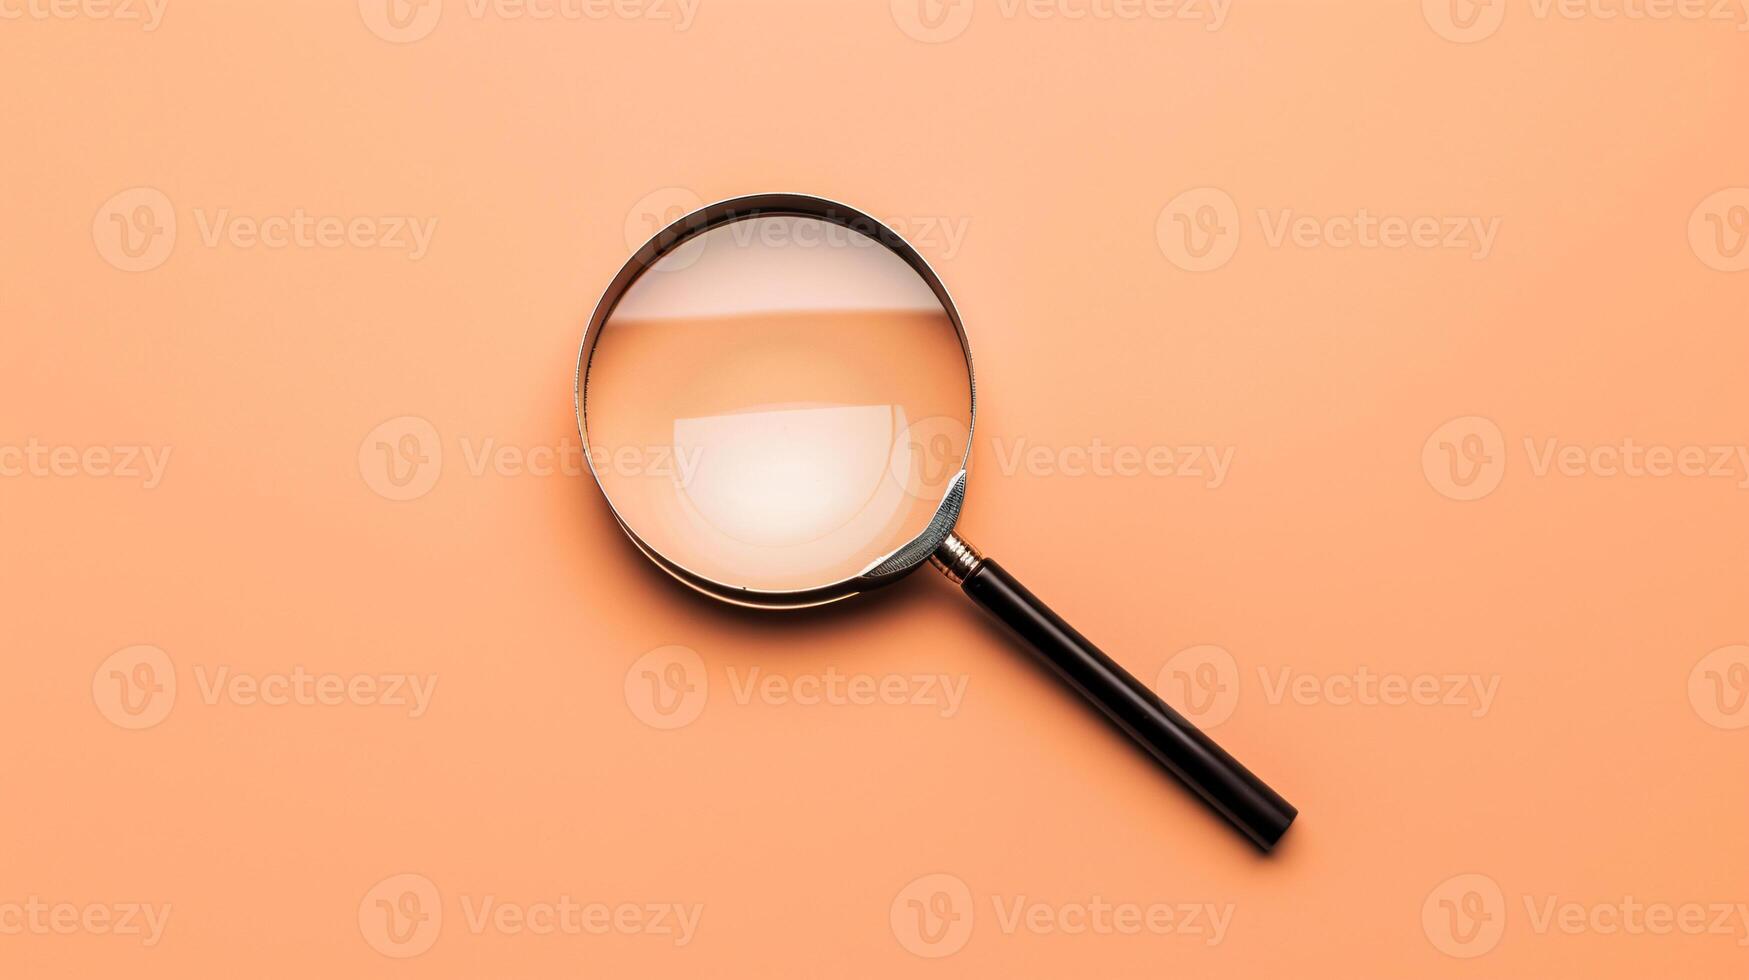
[1185, 751]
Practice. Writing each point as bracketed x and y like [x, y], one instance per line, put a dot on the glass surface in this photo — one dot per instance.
[777, 404]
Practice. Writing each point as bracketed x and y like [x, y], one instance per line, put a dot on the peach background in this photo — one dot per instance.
[535, 144]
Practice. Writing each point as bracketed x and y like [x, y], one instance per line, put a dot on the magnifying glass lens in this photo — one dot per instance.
[777, 404]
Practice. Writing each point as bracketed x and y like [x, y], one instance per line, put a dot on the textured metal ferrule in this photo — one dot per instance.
[956, 558]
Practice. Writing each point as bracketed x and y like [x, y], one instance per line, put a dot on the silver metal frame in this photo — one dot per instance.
[888, 567]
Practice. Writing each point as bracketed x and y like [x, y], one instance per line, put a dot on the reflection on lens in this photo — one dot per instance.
[778, 404]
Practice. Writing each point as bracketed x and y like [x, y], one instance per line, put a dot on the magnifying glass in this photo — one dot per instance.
[776, 398]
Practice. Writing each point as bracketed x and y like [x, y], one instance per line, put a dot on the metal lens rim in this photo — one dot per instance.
[726, 212]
